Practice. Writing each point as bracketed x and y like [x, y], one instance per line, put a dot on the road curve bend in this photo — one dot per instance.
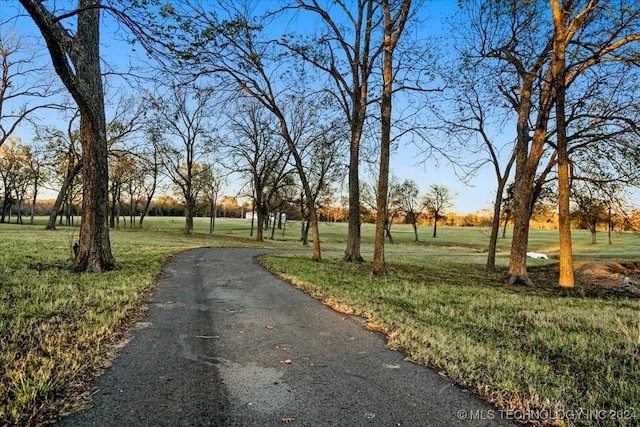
[226, 343]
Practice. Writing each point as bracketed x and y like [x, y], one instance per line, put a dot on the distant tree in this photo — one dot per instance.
[12, 175]
[437, 200]
[22, 172]
[148, 163]
[319, 139]
[122, 171]
[410, 203]
[66, 165]
[258, 153]
[185, 118]
[395, 201]
[591, 208]
[211, 182]
[37, 172]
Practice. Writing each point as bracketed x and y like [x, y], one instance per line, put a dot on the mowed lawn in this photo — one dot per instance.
[536, 351]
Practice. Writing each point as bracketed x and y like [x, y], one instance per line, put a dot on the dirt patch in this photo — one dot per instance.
[594, 278]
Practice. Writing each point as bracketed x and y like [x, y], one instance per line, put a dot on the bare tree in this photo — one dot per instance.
[185, 116]
[590, 208]
[394, 200]
[212, 182]
[320, 140]
[359, 45]
[395, 17]
[409, 202]
[515, 41]
[37, 174]
[473, 118]
[76, 59]
[12, 173]
[25, 86]
[242, 58]
[258, 153]
[437, 200]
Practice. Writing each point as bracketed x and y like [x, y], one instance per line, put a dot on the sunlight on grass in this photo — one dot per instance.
[57, 326]
[520, 348]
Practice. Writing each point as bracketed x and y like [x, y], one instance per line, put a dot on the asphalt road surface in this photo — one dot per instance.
[227, 343]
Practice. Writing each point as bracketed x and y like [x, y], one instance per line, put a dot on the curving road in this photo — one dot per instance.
[226, 343]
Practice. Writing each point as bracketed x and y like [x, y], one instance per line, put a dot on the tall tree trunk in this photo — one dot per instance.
[609, 226]
[566, 278]
[260, 220]
[495, 227]
[315, 232]
[83, 79]
[393, 27]
[520, 239]
[253, 216]
[352, 252]
[273, 227]
[305, 232]
[379, 268]
[527, 161]
[188, 215]
[212, 215]
[94, 246]
[33, 204]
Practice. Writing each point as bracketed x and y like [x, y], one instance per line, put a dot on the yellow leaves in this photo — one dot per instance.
[166, 10]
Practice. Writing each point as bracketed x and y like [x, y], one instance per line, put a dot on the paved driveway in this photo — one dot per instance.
[226, 343]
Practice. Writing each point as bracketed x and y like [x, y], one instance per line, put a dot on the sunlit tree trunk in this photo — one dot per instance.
[529, 151]
[564, 185]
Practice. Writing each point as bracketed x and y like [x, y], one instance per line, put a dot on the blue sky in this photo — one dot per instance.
[477, 194]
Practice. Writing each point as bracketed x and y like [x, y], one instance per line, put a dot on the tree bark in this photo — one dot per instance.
[566, 278]
[527, 161]
[435, 224]
[495, 227]
[393, 27]
[352, 252]
[84, 82]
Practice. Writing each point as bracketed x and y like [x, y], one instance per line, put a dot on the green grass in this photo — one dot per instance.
[522, 348]
[519, 347]
[57, 328]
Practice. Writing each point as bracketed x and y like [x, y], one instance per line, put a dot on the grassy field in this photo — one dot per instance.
[522, 348]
